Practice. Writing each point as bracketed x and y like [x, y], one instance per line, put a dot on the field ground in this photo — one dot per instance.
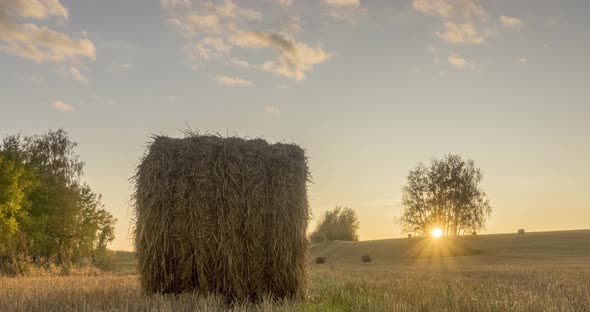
[547, 271]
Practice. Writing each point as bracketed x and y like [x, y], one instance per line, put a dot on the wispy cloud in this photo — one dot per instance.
[239, 62]
[222, 30]
[284, 2]
[463, 21]
[461, 33]
[295, 58]
[342, 3]
[233, 81]
[344, 10]
[39, 43]
[291, 24]
[174, 3]
[273, 110]
[511, 22]
[459, 62]
[77, 75]
[61, 106]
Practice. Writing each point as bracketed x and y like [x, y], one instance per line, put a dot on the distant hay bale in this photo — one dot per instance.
[474, 234]
[409, 235]
[366, 258]
[320, 260]
[520, 231]
[222, 215]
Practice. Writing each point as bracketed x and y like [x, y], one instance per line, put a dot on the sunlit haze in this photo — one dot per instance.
[368, 88]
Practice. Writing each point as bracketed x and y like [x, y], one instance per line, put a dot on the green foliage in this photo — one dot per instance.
[337, 224]
[445, 195]
[46, 213]
[13, 187]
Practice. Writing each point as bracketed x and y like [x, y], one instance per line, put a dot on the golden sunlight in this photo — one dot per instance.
[436, 233]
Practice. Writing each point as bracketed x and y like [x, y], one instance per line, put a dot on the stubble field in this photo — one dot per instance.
[532, 272]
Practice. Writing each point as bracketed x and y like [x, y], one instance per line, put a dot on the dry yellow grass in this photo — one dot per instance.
[544, 272]
[340, 287]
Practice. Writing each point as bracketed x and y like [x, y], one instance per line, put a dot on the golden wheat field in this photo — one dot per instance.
[534, 272]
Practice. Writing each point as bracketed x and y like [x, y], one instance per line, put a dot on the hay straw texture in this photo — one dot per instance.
[222, 215]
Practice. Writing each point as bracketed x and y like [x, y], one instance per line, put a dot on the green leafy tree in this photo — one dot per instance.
[445, 195]
[13, 189]
[338, 224]
[64, 220]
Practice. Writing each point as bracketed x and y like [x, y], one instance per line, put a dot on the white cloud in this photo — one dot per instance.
[233, 81]
[220, 30]
[284, 2]
[429, 7]
[291, 24]
[171, 4]
[461, 33]
[61, 106]
[463, 21]
[511, 22]
[295, 58]
[273, 110]
[194, 23]
[77, 75]
[342, 3]
[344, 10]
[239, 62]
[450, 9]
[39, 43]
[458, 62]
[209, 48]
[523, 60]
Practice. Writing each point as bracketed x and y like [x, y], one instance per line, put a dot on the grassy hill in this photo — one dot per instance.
[509, 248]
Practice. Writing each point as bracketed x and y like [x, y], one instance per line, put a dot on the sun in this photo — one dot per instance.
[436, 233]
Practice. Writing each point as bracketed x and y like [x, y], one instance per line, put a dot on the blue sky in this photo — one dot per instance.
[369, 88]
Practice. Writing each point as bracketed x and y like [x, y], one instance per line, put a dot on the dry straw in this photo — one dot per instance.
[222, 215]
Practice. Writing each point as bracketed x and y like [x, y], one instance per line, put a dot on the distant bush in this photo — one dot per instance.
[474, 234]
[409, 235]
[366, 258]
[317, 237]
[320, 260]
[520, 231]
[339, 224]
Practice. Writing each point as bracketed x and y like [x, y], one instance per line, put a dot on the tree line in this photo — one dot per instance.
[48, 215]
[444, 195]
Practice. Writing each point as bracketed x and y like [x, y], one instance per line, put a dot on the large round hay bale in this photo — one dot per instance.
[520, 231]
[320, 260]
[222, 215]
[366, 258]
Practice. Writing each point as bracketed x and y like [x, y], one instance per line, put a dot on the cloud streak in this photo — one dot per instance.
[217, 31]
[459, 62]
[233, 81]
[463, 21]
[38, 43]
[61, 106]
[511, 22]
[77, 75]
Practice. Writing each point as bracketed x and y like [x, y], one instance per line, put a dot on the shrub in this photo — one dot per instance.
[366, 258]
[317, 237]
[320, 260]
